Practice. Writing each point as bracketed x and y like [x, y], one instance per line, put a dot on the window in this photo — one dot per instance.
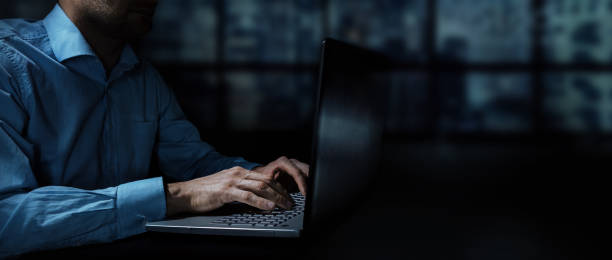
[465, 66]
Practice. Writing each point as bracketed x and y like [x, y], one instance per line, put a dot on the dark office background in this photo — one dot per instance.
[492, 103]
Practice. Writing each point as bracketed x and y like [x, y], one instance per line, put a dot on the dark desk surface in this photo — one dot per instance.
[527, 210]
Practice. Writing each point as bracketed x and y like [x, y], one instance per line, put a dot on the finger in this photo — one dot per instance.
[271, 182]
[305, 168]
[251, 199]
[262, 189]
[286, 165]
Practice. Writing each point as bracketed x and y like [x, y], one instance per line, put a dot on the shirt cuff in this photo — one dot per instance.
[139, 202]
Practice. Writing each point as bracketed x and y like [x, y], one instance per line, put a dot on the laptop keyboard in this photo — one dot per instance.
[258, 218]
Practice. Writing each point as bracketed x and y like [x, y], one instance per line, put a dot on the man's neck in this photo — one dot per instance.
[108, 49]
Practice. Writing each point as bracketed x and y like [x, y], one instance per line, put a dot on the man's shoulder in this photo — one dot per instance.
[19, 35]
[22, 29]
[18, 39]
[20, 43]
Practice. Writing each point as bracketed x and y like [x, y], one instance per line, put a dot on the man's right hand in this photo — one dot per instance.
[234, 184]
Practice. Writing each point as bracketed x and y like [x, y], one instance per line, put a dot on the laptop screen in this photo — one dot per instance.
[348, 129]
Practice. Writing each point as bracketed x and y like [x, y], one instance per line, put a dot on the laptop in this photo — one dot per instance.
[347, 139]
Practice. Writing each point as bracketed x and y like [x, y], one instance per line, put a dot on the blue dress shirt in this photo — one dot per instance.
[76, 145]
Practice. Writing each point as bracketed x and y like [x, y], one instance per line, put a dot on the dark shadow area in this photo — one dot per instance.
[497, 133]
[433, 200]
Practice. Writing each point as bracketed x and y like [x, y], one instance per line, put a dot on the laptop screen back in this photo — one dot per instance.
[347, 131]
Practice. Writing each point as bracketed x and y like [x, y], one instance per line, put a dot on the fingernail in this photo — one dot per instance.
[270, 204]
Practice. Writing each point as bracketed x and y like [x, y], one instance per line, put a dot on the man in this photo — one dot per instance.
[80, 119]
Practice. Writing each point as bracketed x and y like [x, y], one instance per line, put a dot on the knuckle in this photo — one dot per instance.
[261, 186]
[247, 196]
[229, 183]
[236, 171]
[253, 173]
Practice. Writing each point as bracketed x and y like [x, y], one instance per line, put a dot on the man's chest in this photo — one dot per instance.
[79, 125]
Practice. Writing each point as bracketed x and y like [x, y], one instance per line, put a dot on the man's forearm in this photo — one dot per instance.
[58, 216]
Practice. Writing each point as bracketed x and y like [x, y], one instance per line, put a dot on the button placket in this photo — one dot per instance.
[110, 143]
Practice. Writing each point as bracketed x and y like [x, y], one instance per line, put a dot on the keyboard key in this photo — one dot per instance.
[265, 218]
[241, 225]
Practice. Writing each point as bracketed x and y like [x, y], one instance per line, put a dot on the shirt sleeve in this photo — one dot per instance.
[182, 154]
[35, 218]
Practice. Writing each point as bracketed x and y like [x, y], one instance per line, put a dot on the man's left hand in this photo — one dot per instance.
[299, 171]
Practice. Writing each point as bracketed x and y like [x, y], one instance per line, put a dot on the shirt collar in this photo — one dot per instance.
[127, 61]
[67, 42]
[64, 37]
[128, 58]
